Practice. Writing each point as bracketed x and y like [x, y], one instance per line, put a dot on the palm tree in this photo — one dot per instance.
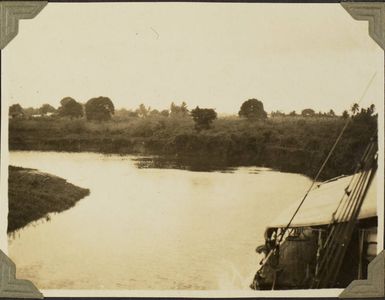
[355, 108]
[371, 109]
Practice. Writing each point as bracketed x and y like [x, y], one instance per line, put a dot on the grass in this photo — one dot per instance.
[32, 195]
[292, 144]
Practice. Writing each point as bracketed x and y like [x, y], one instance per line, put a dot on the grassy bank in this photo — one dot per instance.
[32, 195]
[293, 144]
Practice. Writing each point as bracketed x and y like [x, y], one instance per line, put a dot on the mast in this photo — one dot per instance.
[342, 228]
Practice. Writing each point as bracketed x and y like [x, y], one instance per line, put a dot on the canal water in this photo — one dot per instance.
[150, 228]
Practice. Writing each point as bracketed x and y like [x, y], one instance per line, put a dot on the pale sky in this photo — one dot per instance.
[290, 56]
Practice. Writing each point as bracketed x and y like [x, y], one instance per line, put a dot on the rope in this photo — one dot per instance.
[341, 233]
[325, 161]
[282, 233]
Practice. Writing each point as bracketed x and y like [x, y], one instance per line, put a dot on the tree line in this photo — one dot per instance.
[102, 109]
[95, 109]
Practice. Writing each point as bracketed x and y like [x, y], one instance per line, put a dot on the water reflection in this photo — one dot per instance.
[16, 233]
[190, 163]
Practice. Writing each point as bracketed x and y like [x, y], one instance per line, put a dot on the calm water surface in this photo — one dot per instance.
[150, 228]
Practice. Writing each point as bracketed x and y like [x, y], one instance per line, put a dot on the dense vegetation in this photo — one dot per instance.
[196, 140]
[32, 195]
[294, 143]
[203, 117]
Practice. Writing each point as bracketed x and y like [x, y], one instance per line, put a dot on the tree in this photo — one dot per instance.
[99, 109]
[70, 108]
[293, 113]
[366, 115]
[308, 112]
[165, 112]
[203, 117]
[125, 114]
[345, 114]
[181, 110]
[154, 113]
[277, 113]
[30, 111]
[252, 109]
[371, 109]
[66, 100]
[331, 113]
[355, 108]
[46, 108]
[143, 111]
[16, 111]
[132, 114]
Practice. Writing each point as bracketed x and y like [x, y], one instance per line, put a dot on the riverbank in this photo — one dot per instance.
[33, 195]
[289, 144]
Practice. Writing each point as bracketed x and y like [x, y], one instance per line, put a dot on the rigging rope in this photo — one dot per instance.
[340, 236]
[282, 233]
[324, 162]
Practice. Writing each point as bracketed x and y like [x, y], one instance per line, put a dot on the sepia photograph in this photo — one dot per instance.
[159, 146]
